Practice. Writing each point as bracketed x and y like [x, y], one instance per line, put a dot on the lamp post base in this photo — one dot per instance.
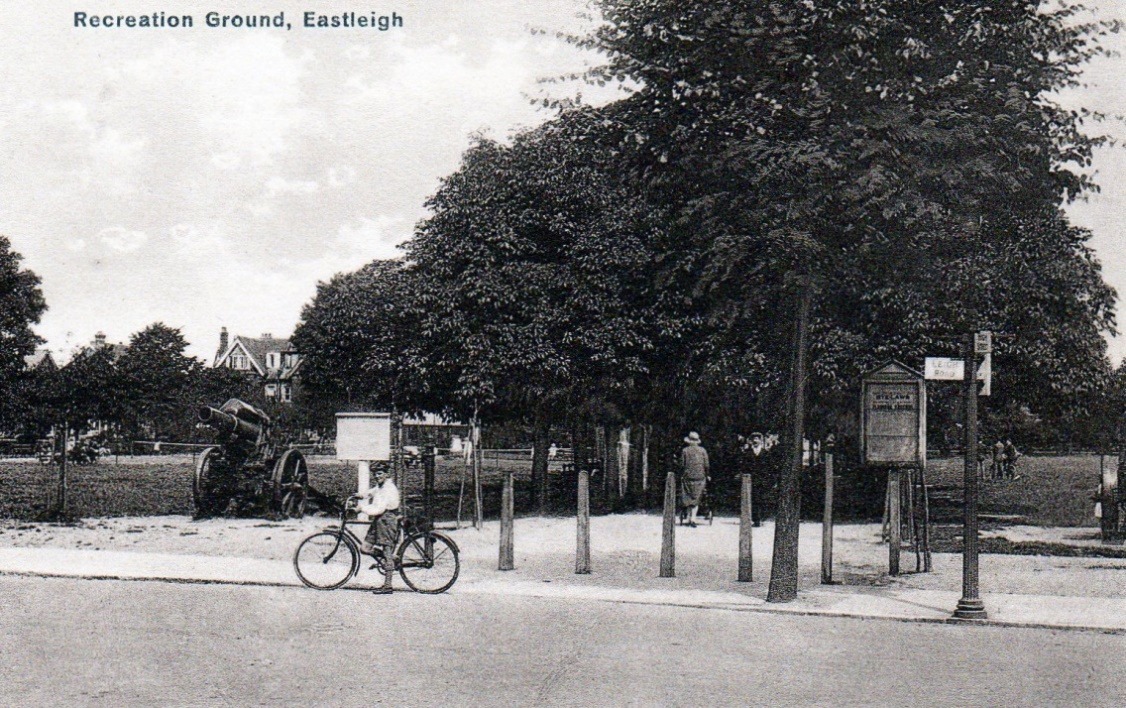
[970, 610]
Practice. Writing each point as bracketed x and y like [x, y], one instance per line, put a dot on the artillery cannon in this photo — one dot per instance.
[246, 474]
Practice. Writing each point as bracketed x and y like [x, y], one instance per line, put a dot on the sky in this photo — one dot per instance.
[211, 177]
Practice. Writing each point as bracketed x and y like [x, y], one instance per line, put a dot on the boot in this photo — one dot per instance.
[385, 589]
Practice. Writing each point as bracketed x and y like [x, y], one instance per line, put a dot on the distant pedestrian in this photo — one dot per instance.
[553, 451]
[998, 459]
[1011, 457]
[694, 466]
[758, 464]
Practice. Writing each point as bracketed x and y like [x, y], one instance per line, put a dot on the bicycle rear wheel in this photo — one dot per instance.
[428, 563]
[326, 560]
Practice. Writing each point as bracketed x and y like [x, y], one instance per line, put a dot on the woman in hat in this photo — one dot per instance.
[694, 463]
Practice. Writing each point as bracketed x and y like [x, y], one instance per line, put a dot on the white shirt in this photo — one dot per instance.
[380, 498]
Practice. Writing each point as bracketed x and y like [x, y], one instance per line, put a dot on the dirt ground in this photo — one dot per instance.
[625, 551]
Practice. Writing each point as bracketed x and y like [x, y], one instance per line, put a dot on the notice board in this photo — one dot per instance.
[363, 436]
[893, 417]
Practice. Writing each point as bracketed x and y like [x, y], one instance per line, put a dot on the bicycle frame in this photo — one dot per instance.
[406, 535]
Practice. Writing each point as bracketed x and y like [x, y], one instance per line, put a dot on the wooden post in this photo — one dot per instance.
[582, 545]
[62, 473]
[746, 524]
[827, 524]
[645, 429]
[894, 540]
[478, 512]
[506, 523]
[668, 530]
[431, 462]
[363, 476]
[1109, 501]
[926, 520]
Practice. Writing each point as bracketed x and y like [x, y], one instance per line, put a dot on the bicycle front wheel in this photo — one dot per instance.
[428, 563]
[326, 560]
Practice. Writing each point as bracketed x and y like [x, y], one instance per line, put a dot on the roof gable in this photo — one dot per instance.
[238, 346]
[892, 369]
[41, 357]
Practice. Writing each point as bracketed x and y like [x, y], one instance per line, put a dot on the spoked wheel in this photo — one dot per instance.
[208, 502]
[326, 560]
[428, 562]
[291, 484]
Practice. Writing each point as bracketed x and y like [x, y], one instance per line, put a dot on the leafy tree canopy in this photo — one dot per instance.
[21, 306]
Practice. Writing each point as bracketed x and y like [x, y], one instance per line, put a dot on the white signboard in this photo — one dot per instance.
[983, 342]
[940, 368]
[363, 436]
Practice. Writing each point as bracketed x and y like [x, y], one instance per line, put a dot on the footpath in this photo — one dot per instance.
[1018, 591]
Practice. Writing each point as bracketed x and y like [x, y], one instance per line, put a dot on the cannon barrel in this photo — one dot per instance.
[230, 424]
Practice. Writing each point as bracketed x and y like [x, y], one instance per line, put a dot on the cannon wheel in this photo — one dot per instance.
[291, 484]
[203, 484]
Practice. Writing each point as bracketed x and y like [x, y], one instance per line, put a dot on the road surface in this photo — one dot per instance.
[82, 642]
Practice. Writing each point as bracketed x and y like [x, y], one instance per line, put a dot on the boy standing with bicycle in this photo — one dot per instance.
[381, 502]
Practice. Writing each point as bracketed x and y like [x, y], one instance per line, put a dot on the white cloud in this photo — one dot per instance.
[279, 185]
[372, 236]
[121, 239]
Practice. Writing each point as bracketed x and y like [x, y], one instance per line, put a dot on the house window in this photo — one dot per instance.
[240, 361]
[291, 359]
[273, 360]
[286, 393]
[271, 390]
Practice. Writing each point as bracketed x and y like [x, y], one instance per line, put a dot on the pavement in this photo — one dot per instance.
[1105, 614]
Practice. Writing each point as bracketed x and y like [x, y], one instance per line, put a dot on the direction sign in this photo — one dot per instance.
[940, 368]
[983, 342]
[985, 373]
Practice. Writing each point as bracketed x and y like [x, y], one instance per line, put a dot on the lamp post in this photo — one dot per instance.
[970, 606]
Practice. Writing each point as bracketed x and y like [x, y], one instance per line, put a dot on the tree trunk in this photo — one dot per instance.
[784, 565]
[541, 434]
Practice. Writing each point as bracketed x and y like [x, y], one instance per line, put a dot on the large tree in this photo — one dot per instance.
[358, 336]
[821, 151]
[21, 306]
[155, 378]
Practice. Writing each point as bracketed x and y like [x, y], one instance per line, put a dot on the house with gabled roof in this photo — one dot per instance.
[273, 360]
[116, 350]
[39, 360]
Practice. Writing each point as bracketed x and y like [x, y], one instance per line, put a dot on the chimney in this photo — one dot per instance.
[100, 339]
[267, 335]
[222, 339]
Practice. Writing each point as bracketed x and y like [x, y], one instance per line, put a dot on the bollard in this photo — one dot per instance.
[894, 540]
[827, 525]
[668, 531]
[582, 549]
[746, 524]
[506, 523]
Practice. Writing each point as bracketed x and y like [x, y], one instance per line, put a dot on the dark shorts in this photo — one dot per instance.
[384, 531]
[691, 491]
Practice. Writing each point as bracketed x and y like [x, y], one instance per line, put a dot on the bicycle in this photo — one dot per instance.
[427, 560]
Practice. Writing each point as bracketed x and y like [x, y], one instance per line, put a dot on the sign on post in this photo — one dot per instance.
[983, 342]
[893, 416]
[940, 368]
[363, 436]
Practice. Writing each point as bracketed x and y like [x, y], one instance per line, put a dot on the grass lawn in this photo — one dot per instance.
[1049, 491]
[160, 485]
